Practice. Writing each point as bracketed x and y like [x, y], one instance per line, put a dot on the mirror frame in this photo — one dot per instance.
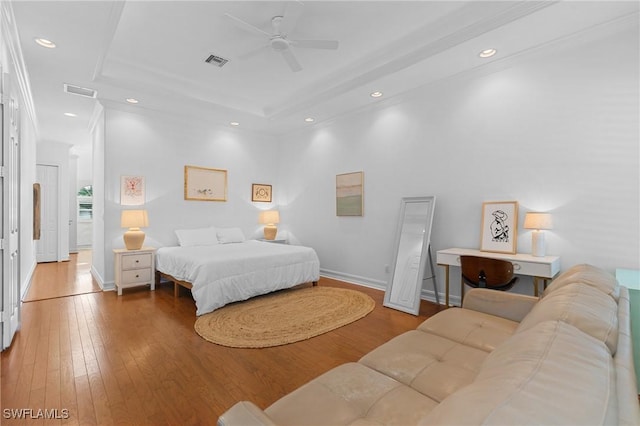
[414, 307]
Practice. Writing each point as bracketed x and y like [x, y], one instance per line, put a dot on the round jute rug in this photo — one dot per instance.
[283, 317]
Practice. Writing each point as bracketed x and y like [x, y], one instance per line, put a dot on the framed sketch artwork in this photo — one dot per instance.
[499, 226]
[204, 184]
[261, 193]
[132, 190]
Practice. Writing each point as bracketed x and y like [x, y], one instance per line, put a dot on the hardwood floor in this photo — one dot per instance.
[136, 359]
[59, 279]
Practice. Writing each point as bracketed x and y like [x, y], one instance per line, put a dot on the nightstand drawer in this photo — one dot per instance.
[136, 261]
[136, 276]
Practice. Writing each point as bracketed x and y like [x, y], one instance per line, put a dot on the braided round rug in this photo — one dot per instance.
[283, 317]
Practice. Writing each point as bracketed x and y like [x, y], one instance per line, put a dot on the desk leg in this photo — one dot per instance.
[446, 286]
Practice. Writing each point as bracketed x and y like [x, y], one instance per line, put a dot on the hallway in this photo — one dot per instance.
[60, 279]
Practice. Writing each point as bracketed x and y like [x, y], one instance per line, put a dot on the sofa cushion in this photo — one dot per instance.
[476, 329]
[432, 365]
[582, 306]
[351, 394]
[552, 373]
[589, 275]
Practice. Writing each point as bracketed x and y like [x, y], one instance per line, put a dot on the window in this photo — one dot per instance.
[85, 203]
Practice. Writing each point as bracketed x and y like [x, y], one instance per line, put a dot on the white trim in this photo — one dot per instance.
[104, 286]
[12, 41]
[27, 282]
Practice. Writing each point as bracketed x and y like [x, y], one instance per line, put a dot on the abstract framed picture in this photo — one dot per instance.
[131, 190]
[499, 226]
[261, 193]
[350, 194]
[205, 184]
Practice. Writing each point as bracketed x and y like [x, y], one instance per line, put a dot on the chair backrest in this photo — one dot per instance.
[496, 272]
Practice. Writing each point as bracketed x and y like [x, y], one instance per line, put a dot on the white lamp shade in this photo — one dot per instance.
[269, 217]
[134, 219]
[538, 221]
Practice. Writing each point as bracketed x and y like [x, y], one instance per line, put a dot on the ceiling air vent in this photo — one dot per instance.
[80, 91]
[216, 60]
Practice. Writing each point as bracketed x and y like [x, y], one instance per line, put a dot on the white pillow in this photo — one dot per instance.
[197, 237]
[230, 235]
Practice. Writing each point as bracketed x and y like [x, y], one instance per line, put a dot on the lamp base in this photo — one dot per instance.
[270, 232]
[538, 248]
[133, 239]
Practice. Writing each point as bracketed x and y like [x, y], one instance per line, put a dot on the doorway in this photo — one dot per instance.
[47, 245]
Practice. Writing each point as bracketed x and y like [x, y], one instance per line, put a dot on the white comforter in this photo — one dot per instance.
[225, 273]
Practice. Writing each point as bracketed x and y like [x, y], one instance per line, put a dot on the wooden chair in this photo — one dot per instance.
[483, 272]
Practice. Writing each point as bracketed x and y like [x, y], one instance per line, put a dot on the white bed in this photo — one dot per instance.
[219, 274]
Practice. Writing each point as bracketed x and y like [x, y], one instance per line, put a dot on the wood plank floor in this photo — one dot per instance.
[136, 359]
[59, 279]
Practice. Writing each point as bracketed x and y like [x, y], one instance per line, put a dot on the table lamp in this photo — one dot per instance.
[537, 222]
[134, 220]
[269, 218]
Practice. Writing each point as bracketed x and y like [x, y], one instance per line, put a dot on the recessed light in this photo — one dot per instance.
[132, 100]
[487, 53]
[309, 119]
[45, 43]
[376, 94]
[70, 114]
[234, 123]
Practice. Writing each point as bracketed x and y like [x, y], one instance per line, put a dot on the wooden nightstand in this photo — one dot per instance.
[134, 268]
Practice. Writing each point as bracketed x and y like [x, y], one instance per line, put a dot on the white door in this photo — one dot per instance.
[47, 245]
[10, 214]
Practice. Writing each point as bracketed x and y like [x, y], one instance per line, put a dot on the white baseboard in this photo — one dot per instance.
[425, 294]
[105, 286]
[354, 279]
[27, 282]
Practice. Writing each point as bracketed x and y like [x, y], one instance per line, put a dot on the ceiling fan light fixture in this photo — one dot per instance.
[376, 94]
[487, 53]
[70, 114]
[234, 123]
[132, 100]
[309, 119]
[45, 43]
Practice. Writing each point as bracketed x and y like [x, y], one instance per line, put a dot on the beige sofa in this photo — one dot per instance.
[501, 359]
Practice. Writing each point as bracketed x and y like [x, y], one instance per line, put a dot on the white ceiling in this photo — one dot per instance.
[154, 51]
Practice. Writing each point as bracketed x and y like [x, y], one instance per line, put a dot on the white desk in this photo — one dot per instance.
[540, 268]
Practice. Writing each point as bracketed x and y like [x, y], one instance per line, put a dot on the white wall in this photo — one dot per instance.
[98, 150]
[556, 132]
[141, 143]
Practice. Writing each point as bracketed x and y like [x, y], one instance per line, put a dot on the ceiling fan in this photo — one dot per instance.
[279, 40]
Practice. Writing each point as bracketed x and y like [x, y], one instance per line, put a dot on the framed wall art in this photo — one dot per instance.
[499, 226]
[205, 184]
[261, 193]
[350, 194]
[131, 190]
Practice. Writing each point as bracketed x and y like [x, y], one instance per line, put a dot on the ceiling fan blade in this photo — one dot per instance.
[316, 44]
[246, 26]
[288, 56]
[290, 18]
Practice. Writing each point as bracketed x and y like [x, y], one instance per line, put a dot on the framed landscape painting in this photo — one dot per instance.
[499, 226]
[350, 194]
[204, 184]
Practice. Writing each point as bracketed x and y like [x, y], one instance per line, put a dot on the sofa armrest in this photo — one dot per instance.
[511, 306]
[244, 413]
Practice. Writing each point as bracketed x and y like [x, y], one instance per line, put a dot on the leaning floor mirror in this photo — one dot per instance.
[413, 237]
